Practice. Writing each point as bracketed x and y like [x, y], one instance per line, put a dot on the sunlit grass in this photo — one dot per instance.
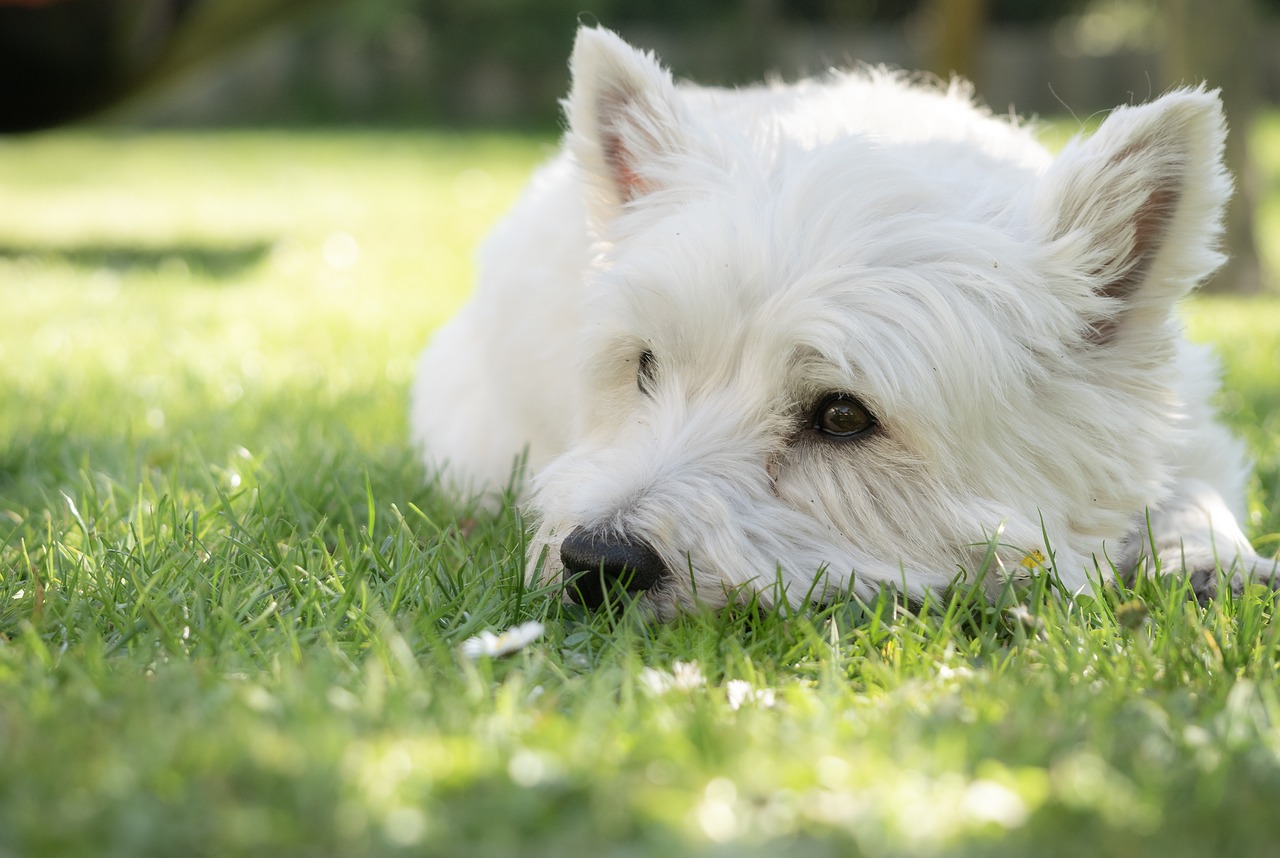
[231, 613]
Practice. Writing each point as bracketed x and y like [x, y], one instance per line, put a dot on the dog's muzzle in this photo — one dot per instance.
[596, 562]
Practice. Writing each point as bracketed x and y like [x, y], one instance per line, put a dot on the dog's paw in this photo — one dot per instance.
[1206, 582]
[1208, 573]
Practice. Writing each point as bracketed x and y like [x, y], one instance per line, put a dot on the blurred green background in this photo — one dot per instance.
[501, 63]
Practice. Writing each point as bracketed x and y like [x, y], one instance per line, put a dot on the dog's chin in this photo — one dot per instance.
[660, 604]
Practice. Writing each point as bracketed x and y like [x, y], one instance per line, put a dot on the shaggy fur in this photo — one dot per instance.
[668, 311]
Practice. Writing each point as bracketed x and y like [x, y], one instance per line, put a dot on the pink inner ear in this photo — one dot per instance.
[1151, 222]
[616, 157]
[1150, 226]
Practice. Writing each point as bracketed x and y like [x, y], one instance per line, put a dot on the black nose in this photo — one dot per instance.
[594, 562]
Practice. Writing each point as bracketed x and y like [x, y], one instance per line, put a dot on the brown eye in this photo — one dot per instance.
[842, 416]
[644, 376]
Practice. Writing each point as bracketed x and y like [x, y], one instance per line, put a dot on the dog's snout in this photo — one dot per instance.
[594, 562]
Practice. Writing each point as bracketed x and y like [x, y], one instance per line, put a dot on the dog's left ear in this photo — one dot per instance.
[623, 116]
[1137, 209]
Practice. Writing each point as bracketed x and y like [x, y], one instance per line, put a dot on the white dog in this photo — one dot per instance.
[842, 334]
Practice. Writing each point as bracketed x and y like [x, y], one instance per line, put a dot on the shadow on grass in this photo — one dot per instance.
[217, 262]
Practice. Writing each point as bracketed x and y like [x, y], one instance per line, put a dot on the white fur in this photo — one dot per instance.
[1006, 315]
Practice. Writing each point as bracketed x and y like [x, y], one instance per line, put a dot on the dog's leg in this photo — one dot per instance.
[1195, 534]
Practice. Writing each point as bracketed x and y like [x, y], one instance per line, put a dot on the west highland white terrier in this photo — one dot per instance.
[849, 333]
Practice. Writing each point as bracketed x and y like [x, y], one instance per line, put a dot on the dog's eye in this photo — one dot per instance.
[644, 376]
[842, 416]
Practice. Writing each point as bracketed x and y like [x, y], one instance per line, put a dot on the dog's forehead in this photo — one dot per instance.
[773, 213]
[838, 225]
[873, 265]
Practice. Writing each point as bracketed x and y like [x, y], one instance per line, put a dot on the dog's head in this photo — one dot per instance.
[857, 332]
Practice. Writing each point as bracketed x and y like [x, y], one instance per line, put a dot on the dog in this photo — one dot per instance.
[797, 341]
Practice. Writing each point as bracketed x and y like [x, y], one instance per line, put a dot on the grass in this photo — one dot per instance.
[230, 611]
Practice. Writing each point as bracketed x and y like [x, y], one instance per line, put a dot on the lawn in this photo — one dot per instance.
[231, 613]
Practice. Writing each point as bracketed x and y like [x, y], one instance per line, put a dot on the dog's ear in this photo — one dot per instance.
[623, 115]
[1137, 209]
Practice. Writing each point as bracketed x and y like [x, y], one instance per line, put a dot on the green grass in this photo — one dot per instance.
[230, 611]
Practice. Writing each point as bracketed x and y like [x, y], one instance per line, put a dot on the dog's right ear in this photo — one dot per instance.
[623, 117]
[1137, 210]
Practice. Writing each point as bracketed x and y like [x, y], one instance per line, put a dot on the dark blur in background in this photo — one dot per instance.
[464, 63]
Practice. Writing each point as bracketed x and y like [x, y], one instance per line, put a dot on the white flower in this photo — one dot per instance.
[946, 671]
[1023, 615]
[504, 643]
[741, 692]
[684, 676]
[988, 801]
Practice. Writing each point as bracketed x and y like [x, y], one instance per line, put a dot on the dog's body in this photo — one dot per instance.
[843, 334]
